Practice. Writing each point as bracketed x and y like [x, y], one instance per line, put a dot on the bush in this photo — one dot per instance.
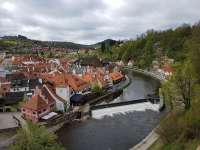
[181, 130]
[169, 129]
[35, 137]
[96, 88]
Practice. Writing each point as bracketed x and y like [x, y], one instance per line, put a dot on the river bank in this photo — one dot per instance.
[127, 128]
[8, 135]
[152, 137]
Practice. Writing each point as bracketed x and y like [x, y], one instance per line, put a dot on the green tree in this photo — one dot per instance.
[35, 137]
[96, 88]
[193, 46]
[184, 79]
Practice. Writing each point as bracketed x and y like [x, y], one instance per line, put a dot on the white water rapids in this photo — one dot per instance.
[111, 111]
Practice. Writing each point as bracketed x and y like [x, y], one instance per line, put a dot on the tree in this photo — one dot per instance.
[168, 91]
[193, 46]
[35, 137]
[184, 80]
[96, 88]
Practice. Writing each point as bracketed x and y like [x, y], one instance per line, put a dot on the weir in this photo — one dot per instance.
[99, 111]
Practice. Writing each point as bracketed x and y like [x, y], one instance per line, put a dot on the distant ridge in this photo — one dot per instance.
[23, 41]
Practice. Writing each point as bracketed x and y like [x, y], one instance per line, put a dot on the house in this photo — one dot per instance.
[167, 69]
[116, 77]
[37, 107]
[23, 82]
[89, 61]
[76, 83]
[4, 86]
[96, 77]
[19, 83]
[130, 63]
[10, 98]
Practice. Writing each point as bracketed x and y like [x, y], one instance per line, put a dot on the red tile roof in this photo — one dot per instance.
[36, 103]
[167, 68]
[75, 82]
[116, 76]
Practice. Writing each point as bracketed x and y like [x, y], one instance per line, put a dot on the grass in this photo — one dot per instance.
[157, 145]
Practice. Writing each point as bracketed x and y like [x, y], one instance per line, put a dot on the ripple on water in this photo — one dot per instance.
[117, 132]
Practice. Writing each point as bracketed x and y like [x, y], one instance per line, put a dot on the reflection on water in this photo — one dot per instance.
[119, 132]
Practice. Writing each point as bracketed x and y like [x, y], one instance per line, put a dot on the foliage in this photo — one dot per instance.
[181, 130]
[35, 137]
[155, 44]
[96, 88]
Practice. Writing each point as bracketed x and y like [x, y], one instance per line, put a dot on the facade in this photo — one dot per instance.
[4, 86]
[37, 107]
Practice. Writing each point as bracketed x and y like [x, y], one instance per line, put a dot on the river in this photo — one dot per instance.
[117, 132]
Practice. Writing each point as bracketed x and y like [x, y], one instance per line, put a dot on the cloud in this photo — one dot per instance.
[89, 21]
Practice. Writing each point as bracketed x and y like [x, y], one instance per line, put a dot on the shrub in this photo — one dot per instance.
[96, 88]
[169, 129]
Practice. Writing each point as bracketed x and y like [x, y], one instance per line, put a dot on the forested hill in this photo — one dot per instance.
[24, 42]
[152, 44]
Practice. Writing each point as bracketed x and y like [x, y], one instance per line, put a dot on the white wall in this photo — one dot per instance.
[63, 92]
[21, 89]
[59, 105]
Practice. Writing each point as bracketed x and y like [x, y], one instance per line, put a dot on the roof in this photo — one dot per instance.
[12, 98]
[91, 61]
[33, 83]
[77, 98]
[167, 68]
[15, 76]
[88, 77]
[36, 103]
[116, 75]
[75, 82]
[46, 94]
[49, 96]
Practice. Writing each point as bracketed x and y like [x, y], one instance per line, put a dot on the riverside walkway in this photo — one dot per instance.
[155, 75]
[7, 121]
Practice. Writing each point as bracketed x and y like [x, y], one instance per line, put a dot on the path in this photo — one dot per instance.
[7, 121]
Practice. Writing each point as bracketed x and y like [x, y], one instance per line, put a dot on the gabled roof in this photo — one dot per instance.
[36, 103]
[53, 94]
[116, 75]
[75, 82]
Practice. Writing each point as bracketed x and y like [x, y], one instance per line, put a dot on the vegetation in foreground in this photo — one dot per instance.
[35, 137]
[180, 130]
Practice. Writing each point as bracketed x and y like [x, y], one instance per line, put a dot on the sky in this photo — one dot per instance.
[90, 21]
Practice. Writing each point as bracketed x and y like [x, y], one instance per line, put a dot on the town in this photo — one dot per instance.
[37, 86]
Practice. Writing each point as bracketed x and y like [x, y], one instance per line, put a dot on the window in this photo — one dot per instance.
[44, 109]
[23, 110]
[34, 113]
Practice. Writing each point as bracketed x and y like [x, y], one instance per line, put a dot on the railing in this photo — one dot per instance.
[155, 75]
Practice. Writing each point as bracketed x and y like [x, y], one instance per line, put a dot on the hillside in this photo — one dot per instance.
[18, 42]
[151, 45]
[107, 42]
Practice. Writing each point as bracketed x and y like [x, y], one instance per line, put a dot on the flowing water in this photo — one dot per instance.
[116, 131]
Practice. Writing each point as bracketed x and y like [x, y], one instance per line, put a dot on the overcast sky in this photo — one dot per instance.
[89, 21]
